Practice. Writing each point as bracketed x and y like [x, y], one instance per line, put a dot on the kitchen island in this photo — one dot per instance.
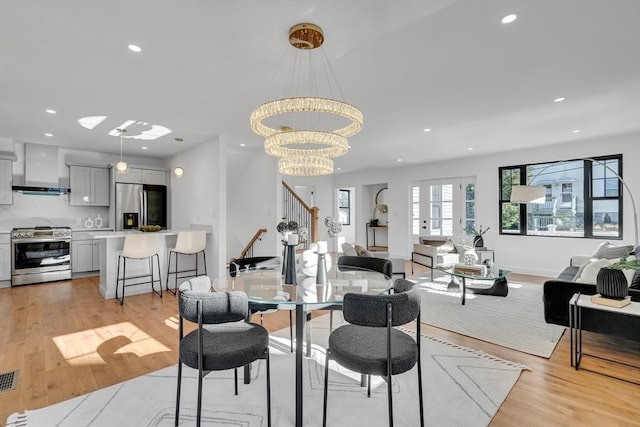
[112, 242]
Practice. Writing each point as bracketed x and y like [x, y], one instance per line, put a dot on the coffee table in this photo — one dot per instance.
[498, 288]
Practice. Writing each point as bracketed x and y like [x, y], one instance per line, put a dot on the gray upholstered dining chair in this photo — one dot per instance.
[369, 344]
[222, 340]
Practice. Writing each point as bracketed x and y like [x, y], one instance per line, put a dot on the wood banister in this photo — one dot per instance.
[253, 240]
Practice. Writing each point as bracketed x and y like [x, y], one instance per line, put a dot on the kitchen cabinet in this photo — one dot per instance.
[89, 186]
[5, 257]
[143, 176]
[85, 253]
[6, 181]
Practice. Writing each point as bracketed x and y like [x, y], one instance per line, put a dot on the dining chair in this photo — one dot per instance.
[370, 344]
[381, 265]
[257, 263]
[189, 243]
[222, 340]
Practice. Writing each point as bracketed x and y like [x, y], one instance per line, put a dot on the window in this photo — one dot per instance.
[583, 198]
[470, 206]
[344, 206]
[441, 208]
[415, 210]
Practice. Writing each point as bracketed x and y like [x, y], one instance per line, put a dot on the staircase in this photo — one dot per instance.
[295, 209]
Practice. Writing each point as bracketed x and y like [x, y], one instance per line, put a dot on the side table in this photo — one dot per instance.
[576, 304]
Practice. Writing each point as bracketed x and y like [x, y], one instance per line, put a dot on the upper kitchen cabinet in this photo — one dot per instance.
[143, 176]
[6, 181]
[89, 186]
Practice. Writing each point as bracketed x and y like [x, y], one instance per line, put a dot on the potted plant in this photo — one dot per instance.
[613, 281]
[478, 240]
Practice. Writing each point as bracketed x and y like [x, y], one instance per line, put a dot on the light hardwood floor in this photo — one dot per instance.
[66, 340]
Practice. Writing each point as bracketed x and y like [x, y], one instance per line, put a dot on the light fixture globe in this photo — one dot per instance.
[178, 172]
[121, 166]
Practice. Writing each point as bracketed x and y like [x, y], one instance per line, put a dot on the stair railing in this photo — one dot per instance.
[295, 209]
[248, 250]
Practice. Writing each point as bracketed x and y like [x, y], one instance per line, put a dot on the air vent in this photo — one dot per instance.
[8, 381]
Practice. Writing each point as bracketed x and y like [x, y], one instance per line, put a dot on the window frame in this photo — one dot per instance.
[346, 208]
[589, 199]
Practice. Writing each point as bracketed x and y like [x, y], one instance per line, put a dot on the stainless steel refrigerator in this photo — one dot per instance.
[140, 204]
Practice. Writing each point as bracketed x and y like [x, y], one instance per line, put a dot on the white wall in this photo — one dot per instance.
[524, 254]
[196, 197]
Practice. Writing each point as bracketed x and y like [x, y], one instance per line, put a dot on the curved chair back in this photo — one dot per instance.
[140, 246]
[380, 265]
[217, 307]
[371, 310]
[198, 284]
[253, 263]
[191, 242]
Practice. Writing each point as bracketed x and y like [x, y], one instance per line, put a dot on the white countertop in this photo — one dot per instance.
[121, 234]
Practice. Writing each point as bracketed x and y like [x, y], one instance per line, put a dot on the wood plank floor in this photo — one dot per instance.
[66, 340]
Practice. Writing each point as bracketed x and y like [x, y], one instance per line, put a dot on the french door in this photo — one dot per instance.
[443, 207]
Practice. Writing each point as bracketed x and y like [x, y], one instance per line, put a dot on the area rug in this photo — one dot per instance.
[515, 321]
[462, 387]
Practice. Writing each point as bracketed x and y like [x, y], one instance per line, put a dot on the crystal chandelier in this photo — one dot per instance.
[121, 166]
[306, 152]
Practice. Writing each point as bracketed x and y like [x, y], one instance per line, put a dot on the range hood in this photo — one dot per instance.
[41, 171]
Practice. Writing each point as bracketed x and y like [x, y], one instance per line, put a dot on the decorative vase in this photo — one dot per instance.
[612, 283]
[321, 276]
[478, 241]
[469, 257]
[290, 275]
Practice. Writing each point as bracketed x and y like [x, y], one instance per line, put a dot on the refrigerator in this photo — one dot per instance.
[140, 204]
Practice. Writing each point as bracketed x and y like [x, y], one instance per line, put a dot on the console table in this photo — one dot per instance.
[576, 304]
[373, 229]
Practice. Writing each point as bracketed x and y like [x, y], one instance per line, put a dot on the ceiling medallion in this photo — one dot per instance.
[306, 152]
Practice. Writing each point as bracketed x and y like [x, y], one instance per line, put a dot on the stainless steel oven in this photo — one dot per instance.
[40, 254]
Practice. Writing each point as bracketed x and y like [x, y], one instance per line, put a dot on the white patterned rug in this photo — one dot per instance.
[515, 321]
[462, 387]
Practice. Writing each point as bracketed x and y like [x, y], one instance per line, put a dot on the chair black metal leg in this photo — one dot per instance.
[369, 385]
[268, 390]
[326, 388]
[118, 277]
[124, 276]
[420, 373]
[178, 393]
[174, 290]
[199, 408]
[235, 380]
[204, 260]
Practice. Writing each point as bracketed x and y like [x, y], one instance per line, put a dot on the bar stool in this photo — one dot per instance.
[139, 247]
[188, 243]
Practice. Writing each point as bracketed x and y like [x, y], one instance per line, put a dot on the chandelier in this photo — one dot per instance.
[306, 151]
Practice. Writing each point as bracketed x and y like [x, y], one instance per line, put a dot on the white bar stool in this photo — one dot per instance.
[188, 243]
[139, 247]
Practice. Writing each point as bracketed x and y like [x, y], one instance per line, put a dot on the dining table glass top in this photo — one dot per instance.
[267, 286]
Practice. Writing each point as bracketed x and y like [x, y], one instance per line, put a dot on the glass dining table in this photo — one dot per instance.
[266, 288]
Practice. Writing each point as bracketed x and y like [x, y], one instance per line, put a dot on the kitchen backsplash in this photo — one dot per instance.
[33, 210]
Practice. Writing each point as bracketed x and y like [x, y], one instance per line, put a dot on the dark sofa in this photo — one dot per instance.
[558, 292]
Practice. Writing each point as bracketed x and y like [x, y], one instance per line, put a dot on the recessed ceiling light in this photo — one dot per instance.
[559, 99]
[470, 149]
[338, 169]
[48, 134]
[509, 18]
[134, 48]
[427, 129]
[50, 111]
[243, 145]
[144, 147]
[576, 131]
[399, 160]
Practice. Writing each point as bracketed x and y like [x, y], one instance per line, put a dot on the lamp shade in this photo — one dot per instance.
[528, 194]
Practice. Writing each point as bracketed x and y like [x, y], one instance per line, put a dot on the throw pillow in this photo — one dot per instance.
[348, 249]
[590, 271]
[362, 251]
[609, 251]
[461, 249]
[446, 247]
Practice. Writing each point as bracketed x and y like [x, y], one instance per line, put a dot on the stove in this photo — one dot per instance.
[40, 254]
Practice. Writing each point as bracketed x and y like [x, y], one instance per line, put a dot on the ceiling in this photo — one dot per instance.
[450, 66]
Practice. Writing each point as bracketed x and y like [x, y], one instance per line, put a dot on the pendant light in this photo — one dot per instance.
[178, 171]
[121, 166]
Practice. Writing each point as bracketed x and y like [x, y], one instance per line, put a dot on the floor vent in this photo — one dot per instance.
[8, 381]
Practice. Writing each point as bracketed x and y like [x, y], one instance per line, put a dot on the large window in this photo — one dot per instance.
[415, 210]
[583, 198]
[344, 206]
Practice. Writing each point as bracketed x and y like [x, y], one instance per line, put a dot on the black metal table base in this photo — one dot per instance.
[500, 288]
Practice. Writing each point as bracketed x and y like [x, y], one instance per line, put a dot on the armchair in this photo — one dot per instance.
[434, 250]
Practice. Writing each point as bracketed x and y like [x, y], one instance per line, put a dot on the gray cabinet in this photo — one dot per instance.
[5, 257]
[6, 181]
[85, 253]
[143, 176]
[89, 186]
